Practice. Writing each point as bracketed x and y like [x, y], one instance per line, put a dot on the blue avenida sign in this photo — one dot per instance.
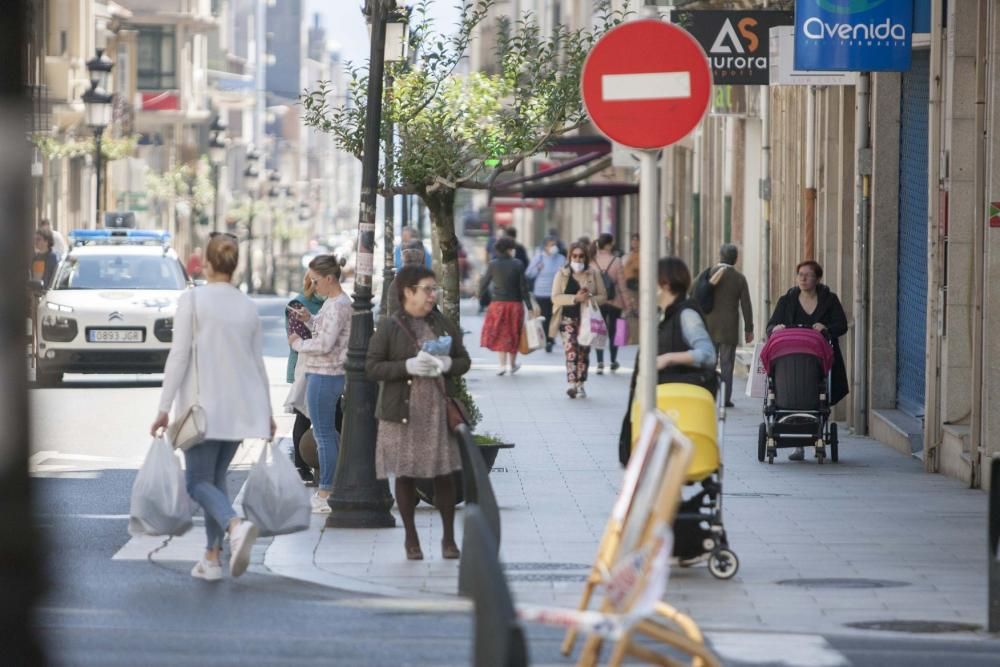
[853, 35]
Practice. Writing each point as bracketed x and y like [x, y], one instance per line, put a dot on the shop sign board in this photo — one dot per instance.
[735, 41]
[783, 72]
[853, 35]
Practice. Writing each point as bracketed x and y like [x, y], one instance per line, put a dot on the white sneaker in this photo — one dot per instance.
[320, 505]
[502, 371]
[513, 369]
[580, 391]
[207, 570]
[240, 543]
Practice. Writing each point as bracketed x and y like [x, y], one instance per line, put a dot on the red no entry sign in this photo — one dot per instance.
[646, 84]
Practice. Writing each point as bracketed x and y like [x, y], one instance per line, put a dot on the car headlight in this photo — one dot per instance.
[58, 307]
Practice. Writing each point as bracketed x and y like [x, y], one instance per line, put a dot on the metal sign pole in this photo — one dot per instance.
[649, 245]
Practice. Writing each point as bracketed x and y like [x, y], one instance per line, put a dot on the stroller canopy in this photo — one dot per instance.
[797, 340]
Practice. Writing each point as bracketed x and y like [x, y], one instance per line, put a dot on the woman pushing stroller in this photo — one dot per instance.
[813, 304]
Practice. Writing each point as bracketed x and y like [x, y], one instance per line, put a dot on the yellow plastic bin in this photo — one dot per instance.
[693, 410]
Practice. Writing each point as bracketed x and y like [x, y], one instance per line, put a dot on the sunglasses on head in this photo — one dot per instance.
[212, 235]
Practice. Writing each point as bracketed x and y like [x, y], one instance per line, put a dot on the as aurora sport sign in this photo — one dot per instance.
[735, 41]
[853, 35]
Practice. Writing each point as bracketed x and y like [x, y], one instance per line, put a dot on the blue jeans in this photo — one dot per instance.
[322, 392]
[206, 466]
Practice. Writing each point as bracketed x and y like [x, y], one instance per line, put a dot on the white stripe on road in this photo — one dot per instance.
[651, 86]
[776, 649]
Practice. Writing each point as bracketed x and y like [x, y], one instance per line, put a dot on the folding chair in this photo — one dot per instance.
[629, 556]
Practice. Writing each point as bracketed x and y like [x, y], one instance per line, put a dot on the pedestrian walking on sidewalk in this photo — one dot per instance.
[730, 295]
[576, 283]
[216, 361]
[295, 375]
[813, 304]
[684, 350]
[507, 287]
[613, 274]
[417, 357]
[324, 355]
[45, 261]
[543, 269]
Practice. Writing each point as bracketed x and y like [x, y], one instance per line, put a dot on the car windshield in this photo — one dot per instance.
[144, 272]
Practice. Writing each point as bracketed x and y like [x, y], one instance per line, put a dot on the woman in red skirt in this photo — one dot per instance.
[509, 295]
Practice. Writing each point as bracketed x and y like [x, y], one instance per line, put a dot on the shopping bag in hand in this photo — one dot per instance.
[274, 498]
[621, 332]
[757, 379]
[160, 503]
[593, 330]
[535, 332]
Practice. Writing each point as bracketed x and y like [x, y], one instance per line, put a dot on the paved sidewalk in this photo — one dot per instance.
[875, 516]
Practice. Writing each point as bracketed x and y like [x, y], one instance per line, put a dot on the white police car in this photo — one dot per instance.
[111, 305]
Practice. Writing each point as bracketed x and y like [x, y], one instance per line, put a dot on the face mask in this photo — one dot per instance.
[576, 266]
[551, 250]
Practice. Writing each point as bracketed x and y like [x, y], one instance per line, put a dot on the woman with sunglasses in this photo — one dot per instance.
[576, 283]
[324, 356]
[417, 356]
[312, 302]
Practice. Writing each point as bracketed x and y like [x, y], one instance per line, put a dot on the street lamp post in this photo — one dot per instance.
[251, 180]
[97, 103]
[359, 500]
[216, 155]
[396, 51]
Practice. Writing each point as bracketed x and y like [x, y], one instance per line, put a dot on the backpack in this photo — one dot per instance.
[609, 283]
[704, 291]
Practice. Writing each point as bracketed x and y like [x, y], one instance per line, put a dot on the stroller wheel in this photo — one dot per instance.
[761, 442]
[723, 564]
[834, 442]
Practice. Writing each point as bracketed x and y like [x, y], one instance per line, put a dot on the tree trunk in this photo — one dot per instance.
[441, 205]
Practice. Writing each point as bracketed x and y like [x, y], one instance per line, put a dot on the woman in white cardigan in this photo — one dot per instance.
[216, 361]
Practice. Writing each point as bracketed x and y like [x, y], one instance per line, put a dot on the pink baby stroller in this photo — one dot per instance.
[797, 361]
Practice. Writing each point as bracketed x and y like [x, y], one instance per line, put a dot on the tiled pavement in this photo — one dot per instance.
[874, 516]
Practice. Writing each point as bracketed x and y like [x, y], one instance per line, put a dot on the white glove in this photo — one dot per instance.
[445, 362]
[422, 367]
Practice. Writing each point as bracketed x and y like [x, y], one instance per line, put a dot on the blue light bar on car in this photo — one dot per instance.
[119, 237]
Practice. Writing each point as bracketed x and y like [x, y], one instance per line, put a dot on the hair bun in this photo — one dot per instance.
[342, 261]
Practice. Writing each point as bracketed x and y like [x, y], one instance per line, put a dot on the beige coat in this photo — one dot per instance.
[591, 279]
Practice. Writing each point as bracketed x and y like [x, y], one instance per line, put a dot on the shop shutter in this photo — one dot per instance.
[911, 304]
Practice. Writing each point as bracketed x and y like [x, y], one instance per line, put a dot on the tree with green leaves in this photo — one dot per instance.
[464, 130]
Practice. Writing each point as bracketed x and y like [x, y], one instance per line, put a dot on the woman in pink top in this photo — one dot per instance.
[324, 355]
[619, 297]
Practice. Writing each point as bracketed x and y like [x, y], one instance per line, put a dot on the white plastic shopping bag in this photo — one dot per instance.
[593, 329]
[757, 378]
[534, 330]
[274, 498]
[160, 504]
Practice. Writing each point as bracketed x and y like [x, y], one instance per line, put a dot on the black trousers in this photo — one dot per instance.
[545, 305]
[302, 424]
[611, 315]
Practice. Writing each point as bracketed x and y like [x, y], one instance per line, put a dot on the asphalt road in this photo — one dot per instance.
[99, 611]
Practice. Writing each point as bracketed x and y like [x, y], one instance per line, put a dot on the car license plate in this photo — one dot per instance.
[115, 335]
